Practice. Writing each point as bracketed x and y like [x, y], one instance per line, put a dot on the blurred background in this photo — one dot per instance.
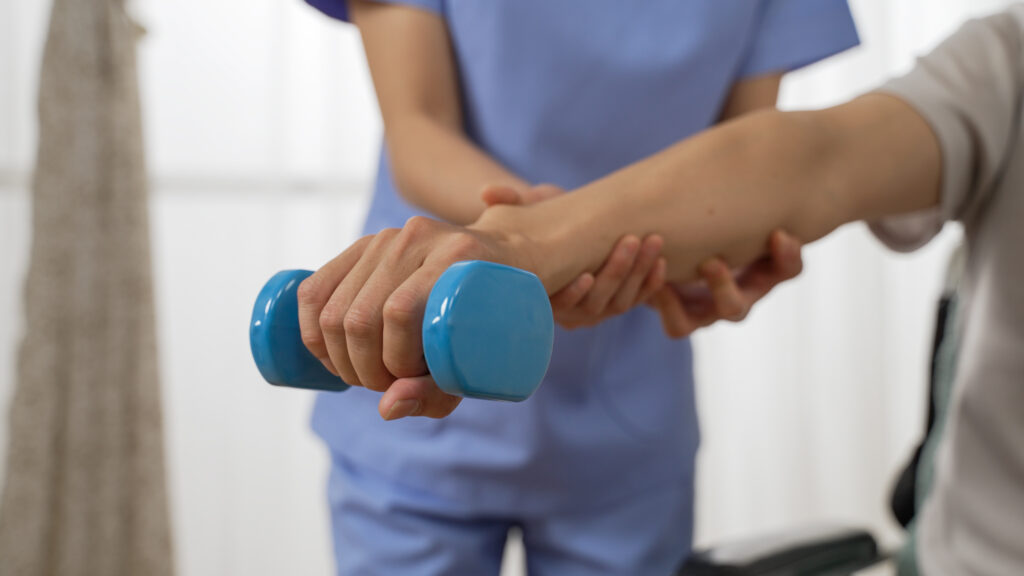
[262, 132]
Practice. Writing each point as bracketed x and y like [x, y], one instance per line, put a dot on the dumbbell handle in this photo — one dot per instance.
[487, 333]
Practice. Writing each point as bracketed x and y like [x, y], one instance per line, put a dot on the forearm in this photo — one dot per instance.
[434, 165]
[721, 193]
[438, 169]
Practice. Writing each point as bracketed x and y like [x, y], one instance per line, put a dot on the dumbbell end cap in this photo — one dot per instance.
[276, 341]
[488, 331]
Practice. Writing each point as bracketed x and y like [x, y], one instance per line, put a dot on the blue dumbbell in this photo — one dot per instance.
[487, 333]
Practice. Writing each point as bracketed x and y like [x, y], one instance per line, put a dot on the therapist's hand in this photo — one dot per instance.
[361, 313]
[631, 274]
[722, 294]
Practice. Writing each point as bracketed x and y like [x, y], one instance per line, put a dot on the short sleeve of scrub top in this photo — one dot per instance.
[792, 34]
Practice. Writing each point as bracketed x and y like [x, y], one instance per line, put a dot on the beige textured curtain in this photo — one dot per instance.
[85, 492]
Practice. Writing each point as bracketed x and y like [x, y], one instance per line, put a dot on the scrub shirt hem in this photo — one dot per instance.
[448, 497]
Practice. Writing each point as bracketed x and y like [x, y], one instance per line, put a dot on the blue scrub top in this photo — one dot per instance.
[566, 91]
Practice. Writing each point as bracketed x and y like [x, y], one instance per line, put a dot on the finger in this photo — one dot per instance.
[783, 263]
[647, 259]
[655, 280]
[334, 315]
[785, 251]
[403, 323]
[568, 297]
[674, 320]
[611, 275]
[542, 192]
[416, 397]
[696, 300]
[729, 302]
[314, 293]
[365, 320]
[500, 194]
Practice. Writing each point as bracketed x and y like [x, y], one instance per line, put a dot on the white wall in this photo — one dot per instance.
[262, 133]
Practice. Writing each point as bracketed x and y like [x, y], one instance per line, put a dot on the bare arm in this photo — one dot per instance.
[751, 95]
[435, 166]
[722, 192]
[722, 293]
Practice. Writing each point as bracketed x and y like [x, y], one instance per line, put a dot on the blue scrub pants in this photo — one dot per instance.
[381, 528]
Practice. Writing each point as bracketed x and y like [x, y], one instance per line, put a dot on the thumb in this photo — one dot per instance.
[417, 396]
[495, 194]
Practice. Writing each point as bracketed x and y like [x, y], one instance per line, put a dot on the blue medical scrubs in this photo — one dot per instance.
[597, 467]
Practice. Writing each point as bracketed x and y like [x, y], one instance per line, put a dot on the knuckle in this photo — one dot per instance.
[407, 236]
[309, 290]
[417, 225]
[463, 245]
[359, 324]
[313, 340]
[401, 310]
[363, 242]
[386, 236]
[332, 320]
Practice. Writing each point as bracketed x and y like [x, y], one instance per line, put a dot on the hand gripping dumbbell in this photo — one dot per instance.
[487, 333]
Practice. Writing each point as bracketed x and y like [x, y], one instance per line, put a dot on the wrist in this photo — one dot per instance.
[529, 246]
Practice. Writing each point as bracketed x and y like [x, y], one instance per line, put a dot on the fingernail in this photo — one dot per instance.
[403, 408]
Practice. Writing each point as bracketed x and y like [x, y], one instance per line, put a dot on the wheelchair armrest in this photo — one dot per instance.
[818, 551]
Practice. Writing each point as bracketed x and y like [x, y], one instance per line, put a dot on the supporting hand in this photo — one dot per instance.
[632, 273]
[723, 294]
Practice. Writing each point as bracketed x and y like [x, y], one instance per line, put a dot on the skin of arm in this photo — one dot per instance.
[724, 191]
[720, 193]
[722, 295]
[751, 95]
[415, 77]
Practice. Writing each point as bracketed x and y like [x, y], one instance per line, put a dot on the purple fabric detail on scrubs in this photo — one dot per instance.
[338, 9]
[566, 91]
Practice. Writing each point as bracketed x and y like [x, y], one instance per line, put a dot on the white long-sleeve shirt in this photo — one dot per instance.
[971, 91]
